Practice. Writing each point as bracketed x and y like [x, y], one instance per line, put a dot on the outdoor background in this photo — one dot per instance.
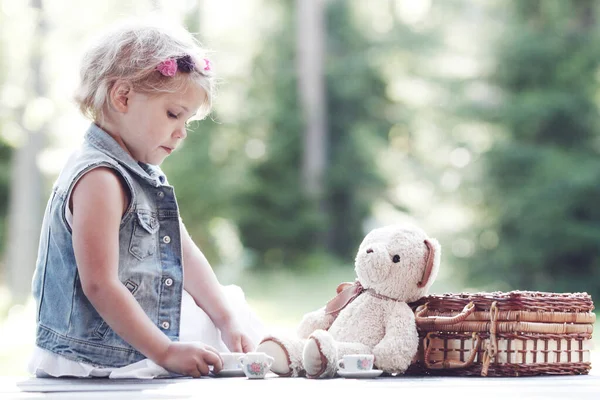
[477, 120]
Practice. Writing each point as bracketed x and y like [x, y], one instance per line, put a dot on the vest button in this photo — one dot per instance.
[160, 194]
[167, 239]
[165, 325]
[168, 281]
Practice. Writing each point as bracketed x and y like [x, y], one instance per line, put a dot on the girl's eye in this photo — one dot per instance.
[171, 115]
[396, 258]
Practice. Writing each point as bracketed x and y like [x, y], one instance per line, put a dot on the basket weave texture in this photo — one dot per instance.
[517, 333]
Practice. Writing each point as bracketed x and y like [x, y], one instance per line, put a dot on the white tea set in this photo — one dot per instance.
[358, 366]
[257, 365]
[253, 365]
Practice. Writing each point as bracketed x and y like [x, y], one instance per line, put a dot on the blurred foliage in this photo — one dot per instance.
[516, 209]
[276, 218]
[358, 130]
[277, 222]
[5, 159]
[539, 227]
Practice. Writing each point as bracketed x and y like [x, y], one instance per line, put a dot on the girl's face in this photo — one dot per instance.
[152, 127]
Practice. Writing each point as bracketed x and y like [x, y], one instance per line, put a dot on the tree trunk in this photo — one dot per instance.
[310, 60]
[24, 216]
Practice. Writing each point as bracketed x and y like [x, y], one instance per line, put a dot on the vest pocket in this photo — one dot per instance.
[143, 238]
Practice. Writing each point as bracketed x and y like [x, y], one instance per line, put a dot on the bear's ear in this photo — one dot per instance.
[429, 266]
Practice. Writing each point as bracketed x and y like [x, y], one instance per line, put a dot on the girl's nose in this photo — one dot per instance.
[181, 133]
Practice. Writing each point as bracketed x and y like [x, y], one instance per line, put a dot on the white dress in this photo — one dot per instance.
[195, 326]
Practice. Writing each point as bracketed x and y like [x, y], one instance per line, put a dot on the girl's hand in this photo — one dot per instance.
[235, 340]
[190, 359]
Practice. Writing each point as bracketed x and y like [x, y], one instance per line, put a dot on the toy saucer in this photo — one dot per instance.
[373, 373]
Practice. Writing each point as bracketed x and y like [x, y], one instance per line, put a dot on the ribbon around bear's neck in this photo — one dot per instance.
[345, 297]
[352, 291]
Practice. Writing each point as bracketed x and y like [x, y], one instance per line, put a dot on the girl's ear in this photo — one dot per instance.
[119, 96]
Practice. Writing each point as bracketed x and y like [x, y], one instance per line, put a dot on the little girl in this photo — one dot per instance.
[118, 280]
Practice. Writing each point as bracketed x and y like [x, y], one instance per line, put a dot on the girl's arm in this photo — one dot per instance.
[202, 284]
[99, 201]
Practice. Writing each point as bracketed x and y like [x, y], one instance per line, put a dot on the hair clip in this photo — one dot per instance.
[167, 67]
[207, 66]
[185, 63]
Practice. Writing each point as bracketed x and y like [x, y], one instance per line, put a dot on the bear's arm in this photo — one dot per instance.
[313, 321]
[399, 345]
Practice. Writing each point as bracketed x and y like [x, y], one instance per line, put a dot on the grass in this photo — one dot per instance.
[282, 298]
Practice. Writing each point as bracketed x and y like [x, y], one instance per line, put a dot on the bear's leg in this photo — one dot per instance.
[321, 354]
[287, 354]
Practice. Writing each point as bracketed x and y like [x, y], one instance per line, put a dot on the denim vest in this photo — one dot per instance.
[150, 259]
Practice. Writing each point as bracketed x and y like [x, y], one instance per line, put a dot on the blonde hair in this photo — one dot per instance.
[131, 51]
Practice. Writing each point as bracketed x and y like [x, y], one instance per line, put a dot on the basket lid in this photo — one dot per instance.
[505, 301]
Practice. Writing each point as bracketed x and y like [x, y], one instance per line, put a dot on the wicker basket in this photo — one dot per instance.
[504, 334]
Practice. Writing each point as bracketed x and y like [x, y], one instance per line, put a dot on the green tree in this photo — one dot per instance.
[358, 130]
[5, 161]
[5, 157]
[540, 224]
[276, 218]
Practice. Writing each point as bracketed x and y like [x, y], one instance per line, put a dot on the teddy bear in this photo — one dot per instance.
[395, 265]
